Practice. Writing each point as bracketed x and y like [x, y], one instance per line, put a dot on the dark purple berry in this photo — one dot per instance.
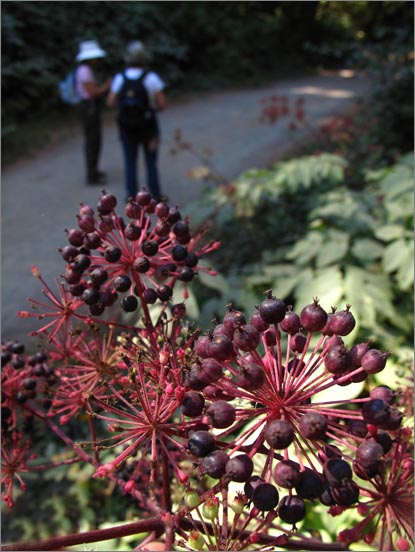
[164, 293]
[162, 209]
[337, 472]
[313, 425]
[181, 228]
[311, 485]
[384, 393]
[287, 474]
[211, 370]
[394, 420]
[279, 434]
[201, 443]
[357, 428]
[374, 361]
[81, 262]
[272, 310]
[265, 497]
[75, 237]
[149, 296]
[252, 484]
[149, 248]
[69, 252]
[347, 494]
[186, 274]
[162, 228]
[122, 283]
[291, 322]
[298, 342]
[109, 201]
[239, 468]
[179, 253]
[201, 345]
[358, 351]
[29, 383]
[132, 232]
[5, 357]
[369, 454]
[384, 440]
[141, 265]
[90, 296]
[375, 412]
[221, 414]
[191, 260]
[326, 497]
[246, 338]
[143, 197]
[192, 404]
[92, 240]
[129, 303]
[132, 209]
[291, 509]
[112, 254]
[338, 360]
[17, 348]
[342, 322]
[98, 277]
[178, 310]
[258, 322]
[232, 319]
[313, 317]
[174, 215]
[214, 463]
[97, 309]
[251, 377]
[220, 347]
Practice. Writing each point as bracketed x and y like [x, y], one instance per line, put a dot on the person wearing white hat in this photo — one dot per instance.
[90, 94]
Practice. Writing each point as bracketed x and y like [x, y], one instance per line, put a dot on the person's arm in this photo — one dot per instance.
[111, 99]
[160, 101]
[94, 90]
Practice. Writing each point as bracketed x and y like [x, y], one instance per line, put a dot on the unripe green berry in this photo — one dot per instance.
[191, 499]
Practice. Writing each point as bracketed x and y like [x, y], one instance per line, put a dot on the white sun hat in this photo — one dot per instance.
[90, 49]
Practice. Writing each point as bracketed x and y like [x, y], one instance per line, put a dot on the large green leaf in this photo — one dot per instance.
[389, 232]
[395, 254]
[366, 250]
[306, 249]
[333, 249]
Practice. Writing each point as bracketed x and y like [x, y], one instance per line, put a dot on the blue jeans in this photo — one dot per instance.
[130, 150]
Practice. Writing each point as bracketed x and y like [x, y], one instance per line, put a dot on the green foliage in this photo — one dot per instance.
[356, 246]
[280, 199]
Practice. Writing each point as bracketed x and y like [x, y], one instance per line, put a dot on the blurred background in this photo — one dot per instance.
[195, 46]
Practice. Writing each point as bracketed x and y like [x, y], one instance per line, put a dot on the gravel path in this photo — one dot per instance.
[40, 196]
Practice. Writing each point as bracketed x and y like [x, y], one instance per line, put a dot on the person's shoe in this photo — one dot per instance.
[99, 178]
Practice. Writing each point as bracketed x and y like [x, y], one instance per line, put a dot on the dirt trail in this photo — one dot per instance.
[41, 196]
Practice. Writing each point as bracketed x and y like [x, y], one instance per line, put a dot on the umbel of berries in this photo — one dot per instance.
[137, 258]
[264, 408]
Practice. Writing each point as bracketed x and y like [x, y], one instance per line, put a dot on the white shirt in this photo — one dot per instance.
[152, 82]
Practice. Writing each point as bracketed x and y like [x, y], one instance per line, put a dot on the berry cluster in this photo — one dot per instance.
[244, 384]
[139, 259]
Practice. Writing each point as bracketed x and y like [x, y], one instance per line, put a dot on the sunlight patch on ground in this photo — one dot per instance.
[325, 92]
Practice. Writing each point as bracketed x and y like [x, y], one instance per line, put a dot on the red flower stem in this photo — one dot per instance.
[56, 543]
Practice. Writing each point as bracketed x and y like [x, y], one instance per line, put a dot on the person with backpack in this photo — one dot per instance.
[138, 95]
[90, 95]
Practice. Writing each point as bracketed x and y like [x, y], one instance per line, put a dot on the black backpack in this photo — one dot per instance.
[135, 115]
